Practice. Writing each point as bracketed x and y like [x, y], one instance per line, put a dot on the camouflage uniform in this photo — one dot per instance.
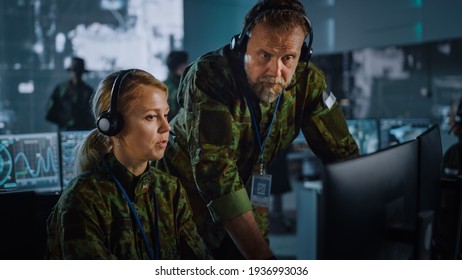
[69, 106]
[92, 220]
[215, 151]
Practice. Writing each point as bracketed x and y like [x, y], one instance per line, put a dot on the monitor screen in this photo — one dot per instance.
[68, 142]
[366, 134]
[363, 200]
[399, 130]
[29, 162]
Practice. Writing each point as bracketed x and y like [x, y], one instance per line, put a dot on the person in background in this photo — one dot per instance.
[120, 206]
[243, 104]
[176, 63]
[452, 159]
[69, 104]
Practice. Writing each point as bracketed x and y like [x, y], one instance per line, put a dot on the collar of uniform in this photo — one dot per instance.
[134, 185]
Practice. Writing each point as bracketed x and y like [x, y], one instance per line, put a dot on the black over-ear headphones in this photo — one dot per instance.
[110, 122]
[239, 41]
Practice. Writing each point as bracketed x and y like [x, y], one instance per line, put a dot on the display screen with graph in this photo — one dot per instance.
[68, 143]
[29, 162]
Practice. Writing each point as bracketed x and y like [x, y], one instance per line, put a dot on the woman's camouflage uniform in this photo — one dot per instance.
[92, 220]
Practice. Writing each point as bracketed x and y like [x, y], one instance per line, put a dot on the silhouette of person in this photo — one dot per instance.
[69, 104]
[176, 63]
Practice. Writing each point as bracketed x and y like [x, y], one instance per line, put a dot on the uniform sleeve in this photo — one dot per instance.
[324, 124]
[213, 138]
[79, 235]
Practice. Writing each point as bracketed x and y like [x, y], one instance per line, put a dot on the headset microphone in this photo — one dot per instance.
[110, 122]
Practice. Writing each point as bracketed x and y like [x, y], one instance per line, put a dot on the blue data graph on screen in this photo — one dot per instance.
[29, 161]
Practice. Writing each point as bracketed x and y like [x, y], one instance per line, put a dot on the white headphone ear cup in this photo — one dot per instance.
[104, 125]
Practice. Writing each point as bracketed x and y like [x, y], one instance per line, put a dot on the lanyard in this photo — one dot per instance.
[257, 130]
[140, 226]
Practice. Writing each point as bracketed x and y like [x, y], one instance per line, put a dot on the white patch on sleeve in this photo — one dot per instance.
[329, 99]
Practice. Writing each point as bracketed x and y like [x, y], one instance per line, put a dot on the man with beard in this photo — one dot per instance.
[243, 104]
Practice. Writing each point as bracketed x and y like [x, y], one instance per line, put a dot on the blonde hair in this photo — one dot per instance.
[92, 150]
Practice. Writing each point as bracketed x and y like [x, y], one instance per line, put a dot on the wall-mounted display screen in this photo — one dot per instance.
[29, 162]
[398, 130]
[68, 143]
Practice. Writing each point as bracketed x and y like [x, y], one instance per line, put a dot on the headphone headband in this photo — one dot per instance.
[239, 42]
[115, 92]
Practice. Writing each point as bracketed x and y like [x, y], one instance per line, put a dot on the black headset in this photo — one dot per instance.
[239, 41]
[110, 122]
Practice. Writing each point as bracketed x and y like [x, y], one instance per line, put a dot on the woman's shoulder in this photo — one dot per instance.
[89, 186]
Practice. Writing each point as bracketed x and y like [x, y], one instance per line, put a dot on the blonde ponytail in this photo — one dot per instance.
[91, 151]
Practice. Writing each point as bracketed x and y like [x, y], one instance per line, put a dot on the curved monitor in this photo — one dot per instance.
[430, 168]
[364, 199]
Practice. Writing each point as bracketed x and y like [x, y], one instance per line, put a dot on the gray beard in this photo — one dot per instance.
[268, 96]
[265, 95]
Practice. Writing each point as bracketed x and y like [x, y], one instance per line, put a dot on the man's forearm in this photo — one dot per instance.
[247, 236]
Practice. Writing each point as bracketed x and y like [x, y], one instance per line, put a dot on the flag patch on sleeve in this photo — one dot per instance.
[329, 99]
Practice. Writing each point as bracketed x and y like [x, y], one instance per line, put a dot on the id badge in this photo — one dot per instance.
[261, 190]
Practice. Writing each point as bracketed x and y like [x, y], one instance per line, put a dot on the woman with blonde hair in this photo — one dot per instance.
[120, 206]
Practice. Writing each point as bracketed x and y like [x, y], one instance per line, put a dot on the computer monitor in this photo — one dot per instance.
[68, 143]
[29, 162]
[367, 203]
[430, 168]
[366, 134]
[429, 191]
[399, 130]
